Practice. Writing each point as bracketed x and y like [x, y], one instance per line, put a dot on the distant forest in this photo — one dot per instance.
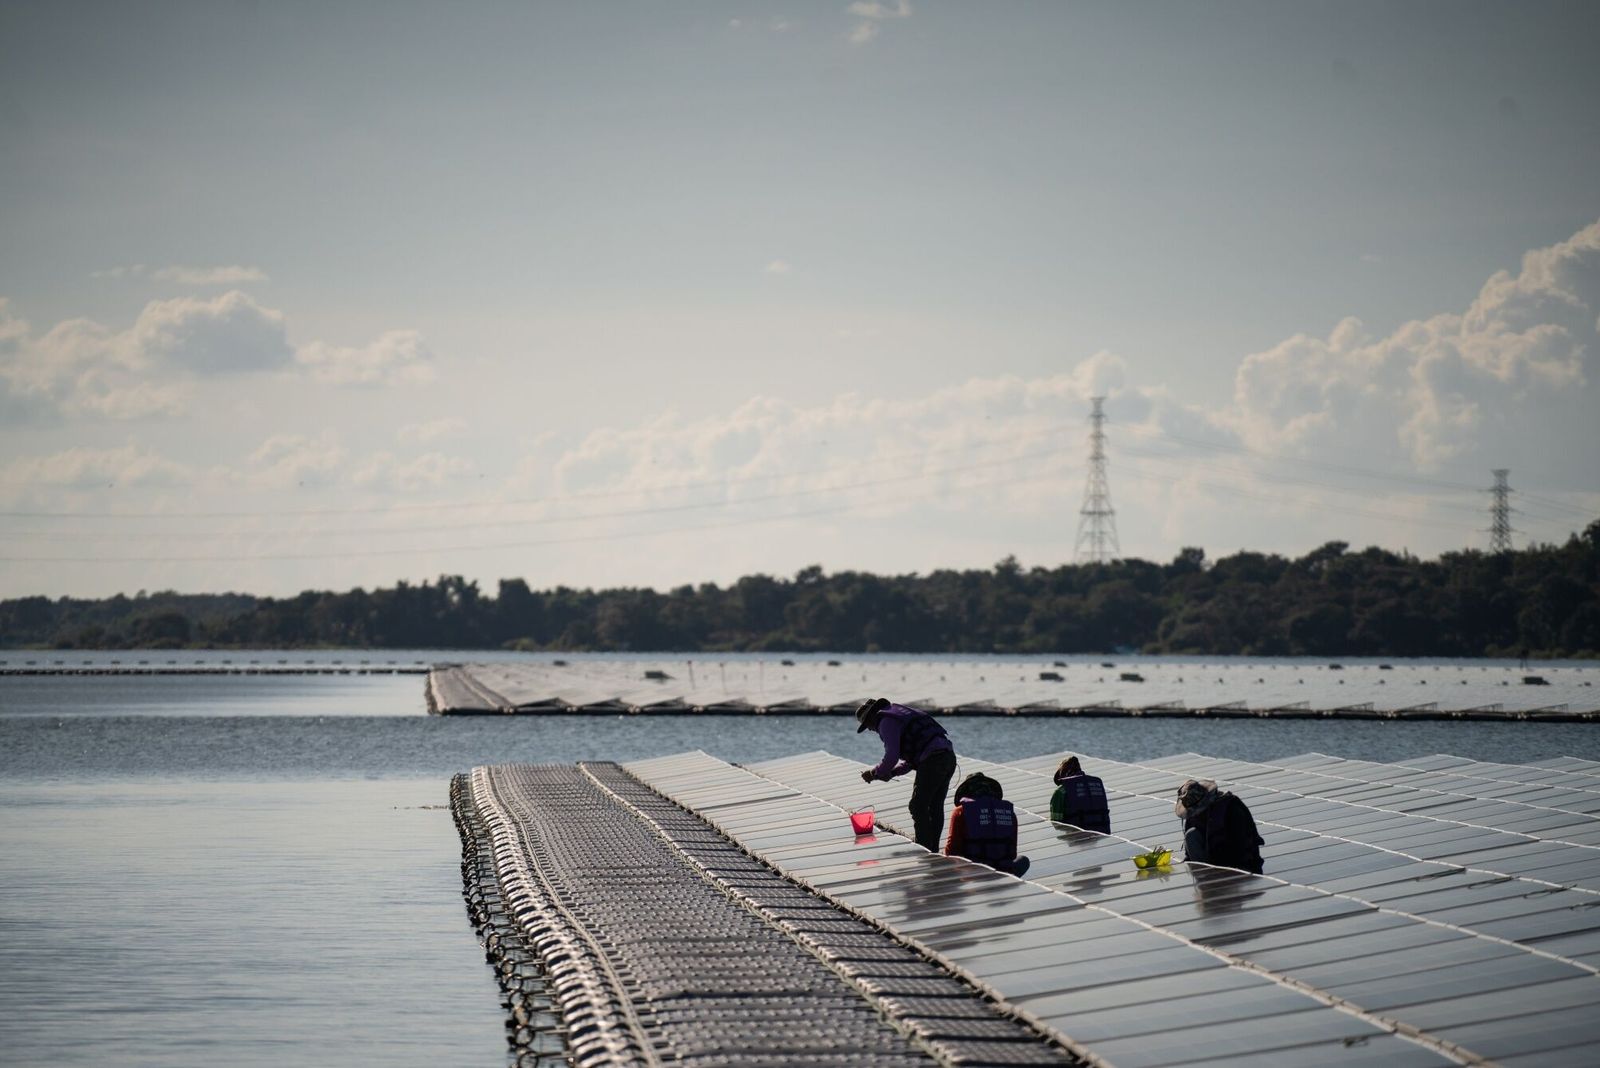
[1541, 601]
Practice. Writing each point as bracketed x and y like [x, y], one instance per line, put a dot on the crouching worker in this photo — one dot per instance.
[1079, 800]
[912, 741]
[984, 826]
[1217, 827]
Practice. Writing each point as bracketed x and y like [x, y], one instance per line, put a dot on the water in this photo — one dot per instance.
[261, 870]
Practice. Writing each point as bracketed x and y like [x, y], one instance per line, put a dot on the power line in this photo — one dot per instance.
[851, 467]
[541, 543]
[625, 513]
[1364, 472]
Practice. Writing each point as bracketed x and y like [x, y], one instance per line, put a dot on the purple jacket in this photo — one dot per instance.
[893, 725]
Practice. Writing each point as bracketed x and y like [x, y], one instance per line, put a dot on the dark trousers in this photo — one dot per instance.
[928, 791]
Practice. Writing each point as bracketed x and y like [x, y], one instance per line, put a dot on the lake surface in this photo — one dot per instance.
[262, 870]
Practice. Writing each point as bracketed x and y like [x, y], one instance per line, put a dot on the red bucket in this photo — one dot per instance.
[862, 820]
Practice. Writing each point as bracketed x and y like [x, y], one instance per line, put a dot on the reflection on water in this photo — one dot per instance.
[241, 923]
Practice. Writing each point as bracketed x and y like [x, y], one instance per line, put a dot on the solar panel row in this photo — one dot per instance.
[1551, 919]
[1241, 915]
[997, 685]
[1494, 835]
[1119, 989]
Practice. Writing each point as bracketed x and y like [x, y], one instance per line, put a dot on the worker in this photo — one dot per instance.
[913, 741]
[1217, 827]
[983, 826]
[1080, 799]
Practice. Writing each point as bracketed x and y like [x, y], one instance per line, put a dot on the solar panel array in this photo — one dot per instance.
[1033, 686]
[1383, 929]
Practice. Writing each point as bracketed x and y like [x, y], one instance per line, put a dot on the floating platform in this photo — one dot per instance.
[210, 666]
[655, 686]
[1444, 911]
[627, 931]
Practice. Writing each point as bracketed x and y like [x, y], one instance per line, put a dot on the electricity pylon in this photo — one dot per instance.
[1097, 520]
[1500, 512]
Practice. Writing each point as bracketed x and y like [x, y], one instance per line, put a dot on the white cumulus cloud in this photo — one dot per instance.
[286, 460]
[83, 368]
[85, 468]
[872, 14]
[226, 334]
[429, 471]
[1439, 388]
[395, 356]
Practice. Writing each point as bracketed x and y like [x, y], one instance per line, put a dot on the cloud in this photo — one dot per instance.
[1508, 381]
[396, 356]
[231, 275]
[154, 367]
[1440, 388]
[766, 446]
[433, 430]
[85, 468]
[862, 32]
[286, 460]
[428, 471]
[776, 267]
[227, 334]
[81, 367]
[873, 14]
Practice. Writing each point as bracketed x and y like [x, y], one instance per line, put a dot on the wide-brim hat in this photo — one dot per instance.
[868, 707]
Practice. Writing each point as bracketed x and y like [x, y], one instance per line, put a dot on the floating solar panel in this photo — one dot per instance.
[1231, 914]
[1382, 786]
[1053, 958]
[1349, 852]
[990, 686]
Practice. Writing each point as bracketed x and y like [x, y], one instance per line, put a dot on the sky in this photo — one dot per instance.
[329, 295]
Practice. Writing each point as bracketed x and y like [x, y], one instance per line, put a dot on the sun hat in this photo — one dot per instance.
[868, 707]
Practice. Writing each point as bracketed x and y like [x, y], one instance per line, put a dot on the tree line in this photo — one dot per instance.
[1543, 600]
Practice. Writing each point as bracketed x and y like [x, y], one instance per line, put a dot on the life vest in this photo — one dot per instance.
[1230, 834]
[1083, 803]
[990, 827]
[918, 731]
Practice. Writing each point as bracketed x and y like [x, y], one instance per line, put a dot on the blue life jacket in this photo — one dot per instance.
[991, 830]
[1083, 804]
[917, 733]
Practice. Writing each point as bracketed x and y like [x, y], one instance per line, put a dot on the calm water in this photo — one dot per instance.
[262, 870]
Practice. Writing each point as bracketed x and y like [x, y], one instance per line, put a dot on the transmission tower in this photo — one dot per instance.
[1097, 520]
[1500, 512]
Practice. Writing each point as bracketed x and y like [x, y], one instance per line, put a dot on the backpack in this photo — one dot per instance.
[1231, 837]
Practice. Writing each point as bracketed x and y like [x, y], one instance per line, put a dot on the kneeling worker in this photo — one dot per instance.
[984, 826]
[912, 741]
[1080, 799]
[1217, 827]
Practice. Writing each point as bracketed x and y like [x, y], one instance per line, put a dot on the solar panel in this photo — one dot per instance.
[1415, 835]
[1015, 935]
[1238, 923]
